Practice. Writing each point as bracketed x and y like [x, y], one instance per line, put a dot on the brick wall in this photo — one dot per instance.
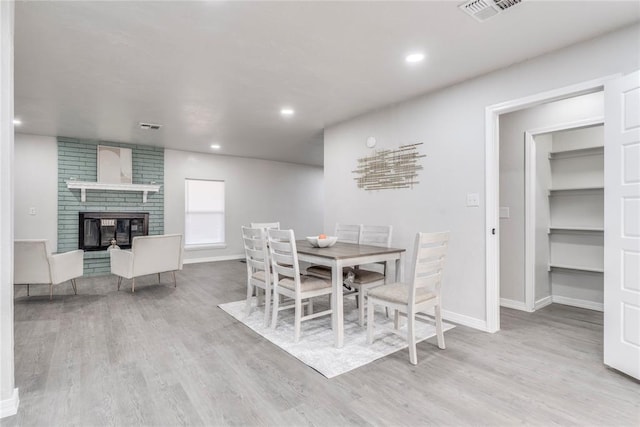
[78, 159]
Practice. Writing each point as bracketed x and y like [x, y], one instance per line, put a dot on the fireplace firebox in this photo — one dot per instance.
[96, 229]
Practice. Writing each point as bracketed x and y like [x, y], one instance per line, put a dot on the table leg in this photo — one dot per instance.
[337, 314]
[400, 268]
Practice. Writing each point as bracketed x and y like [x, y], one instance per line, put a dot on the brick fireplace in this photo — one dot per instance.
[77, 161]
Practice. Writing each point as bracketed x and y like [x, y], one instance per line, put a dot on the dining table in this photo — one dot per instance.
[342, 255]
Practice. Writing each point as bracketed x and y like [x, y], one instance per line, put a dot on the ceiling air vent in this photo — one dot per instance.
[482, 10]
[149, 126]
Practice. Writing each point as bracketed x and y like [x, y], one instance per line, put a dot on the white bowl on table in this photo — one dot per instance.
[322, 243]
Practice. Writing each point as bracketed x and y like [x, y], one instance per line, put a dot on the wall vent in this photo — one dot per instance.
[482, 10]
[149, 126]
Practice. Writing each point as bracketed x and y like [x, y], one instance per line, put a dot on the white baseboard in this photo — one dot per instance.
[516, 305]
[543, 302]
[461, 319]
[9, 406]
[591, 305]
[213, 259]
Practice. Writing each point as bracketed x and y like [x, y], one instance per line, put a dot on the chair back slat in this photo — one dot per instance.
[375, 235]
[429, 282]
[266, 225]
[348, 233]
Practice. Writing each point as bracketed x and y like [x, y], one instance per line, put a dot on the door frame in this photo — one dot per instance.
[530, 198]
[492, 182]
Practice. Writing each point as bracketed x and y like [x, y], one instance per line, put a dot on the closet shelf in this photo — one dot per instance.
[556, 228]
[578, 152]
[577, 268]
[559, 191]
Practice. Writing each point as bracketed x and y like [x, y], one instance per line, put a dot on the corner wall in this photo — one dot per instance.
[451, 123]
[36, 188]
[9, 399]
[255, 191]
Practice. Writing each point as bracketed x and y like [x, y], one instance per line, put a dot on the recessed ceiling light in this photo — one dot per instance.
[17, 122]
[215, 146]
[287, 112]
[414, 57]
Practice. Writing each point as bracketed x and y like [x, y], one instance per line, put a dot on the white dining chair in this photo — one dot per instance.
[288, 282]
[366, 277]
[258, 270]
[346, 233]
[421, 293]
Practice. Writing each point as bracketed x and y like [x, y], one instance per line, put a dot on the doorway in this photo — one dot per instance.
[492, 185]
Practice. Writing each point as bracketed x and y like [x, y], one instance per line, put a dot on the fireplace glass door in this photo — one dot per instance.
[97, 229]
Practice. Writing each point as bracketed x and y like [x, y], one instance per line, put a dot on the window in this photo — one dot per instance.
[203, 212]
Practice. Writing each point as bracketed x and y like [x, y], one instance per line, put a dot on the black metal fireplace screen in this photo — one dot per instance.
[97, 229]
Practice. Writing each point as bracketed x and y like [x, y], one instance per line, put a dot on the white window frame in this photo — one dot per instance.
[212, 244]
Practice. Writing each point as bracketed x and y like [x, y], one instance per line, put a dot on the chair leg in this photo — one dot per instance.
[133, 285]
[370, 313]
[259, 297]
[158, 277]
[119, 281]
[396, 319]
[27, 289]
[310, 306]
[50, 292]
[175, 284]
[361, 306]
[439, 332]
[411, 337]
[276, 303]
[75, 289]
[247, 307]
[298, 318]
[267, 306]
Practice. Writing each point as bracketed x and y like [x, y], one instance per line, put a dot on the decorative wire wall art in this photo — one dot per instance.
[390, 169]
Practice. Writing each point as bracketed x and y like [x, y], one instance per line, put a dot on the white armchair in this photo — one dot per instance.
[148, 255]
[34, 264]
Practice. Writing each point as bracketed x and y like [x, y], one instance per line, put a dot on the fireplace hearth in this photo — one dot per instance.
[96, 229]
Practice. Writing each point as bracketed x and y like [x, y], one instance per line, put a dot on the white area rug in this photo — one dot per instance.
[316, 347]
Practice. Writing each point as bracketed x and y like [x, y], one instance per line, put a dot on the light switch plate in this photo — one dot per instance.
[32, 211]
[473, 199]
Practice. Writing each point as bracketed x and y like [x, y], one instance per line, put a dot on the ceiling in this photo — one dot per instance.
[220, 71]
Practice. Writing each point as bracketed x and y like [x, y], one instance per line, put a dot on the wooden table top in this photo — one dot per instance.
[343, 250]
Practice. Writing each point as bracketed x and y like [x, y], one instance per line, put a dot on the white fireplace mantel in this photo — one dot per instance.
[83, 186]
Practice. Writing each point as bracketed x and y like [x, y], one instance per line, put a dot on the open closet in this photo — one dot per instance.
[569, 186]
[552, 204]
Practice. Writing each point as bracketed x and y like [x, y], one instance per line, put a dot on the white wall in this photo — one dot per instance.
[542, 286]
[256, 191]
[8, 393]
[512, 179]
[451, 123]
[36, 186]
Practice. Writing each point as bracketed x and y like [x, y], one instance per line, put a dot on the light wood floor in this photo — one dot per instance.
[166, 356]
